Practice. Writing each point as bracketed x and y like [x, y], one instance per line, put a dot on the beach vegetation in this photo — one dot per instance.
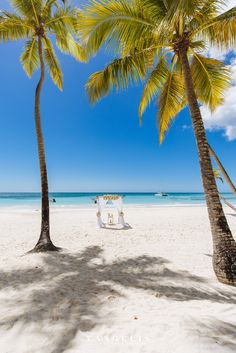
[164, 44]
[40, 24]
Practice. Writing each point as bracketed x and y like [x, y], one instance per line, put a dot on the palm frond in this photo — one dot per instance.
[64, 18]
[47, 9]
[208, 11]
[188, 15]
[120, 73]
[63, 23]
[68, 45]
[198, 45]
[123, 21]
[170, 101]
[153, 85]
[133, 26]
[211, 78]
[30, 57]
[221, 30]
[28, 8]
[13, 27]
[52, 63]
[217, 175]
[32, 19]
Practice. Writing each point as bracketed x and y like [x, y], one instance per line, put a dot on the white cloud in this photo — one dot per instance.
[186, 127]
[224, 118]
[216, 53]
[230, 4]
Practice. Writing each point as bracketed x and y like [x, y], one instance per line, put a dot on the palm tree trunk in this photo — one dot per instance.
[224, 245]
[44, 243]
[222, 169]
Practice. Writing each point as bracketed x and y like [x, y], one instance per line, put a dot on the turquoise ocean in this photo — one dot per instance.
[80, 199]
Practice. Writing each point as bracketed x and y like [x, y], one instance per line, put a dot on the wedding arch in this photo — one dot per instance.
[107, 204]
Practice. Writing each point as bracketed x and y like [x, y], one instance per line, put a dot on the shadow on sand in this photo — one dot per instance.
[71, 289]
[215, 331]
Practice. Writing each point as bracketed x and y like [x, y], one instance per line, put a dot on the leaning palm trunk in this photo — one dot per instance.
[226, 176]
[223, 171]
[44, 242]
[224, 245]
[228, 203]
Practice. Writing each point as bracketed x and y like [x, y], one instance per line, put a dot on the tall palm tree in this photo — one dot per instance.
[37, 21]
[163, 42]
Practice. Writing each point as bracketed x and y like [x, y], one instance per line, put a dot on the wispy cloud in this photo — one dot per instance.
[186, 127]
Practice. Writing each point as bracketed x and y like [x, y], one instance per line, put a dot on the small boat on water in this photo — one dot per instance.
[161, 194]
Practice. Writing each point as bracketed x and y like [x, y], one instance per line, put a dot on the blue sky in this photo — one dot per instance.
[99, 148]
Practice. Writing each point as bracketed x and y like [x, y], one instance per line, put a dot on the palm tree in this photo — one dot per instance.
[36, 21]
[217, 174]
[163, 43]
[222, 169]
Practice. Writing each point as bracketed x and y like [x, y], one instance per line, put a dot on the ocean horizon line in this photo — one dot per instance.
[110, 192]
[63, 199]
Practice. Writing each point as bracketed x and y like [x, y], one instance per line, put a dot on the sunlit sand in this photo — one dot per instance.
[147, 289]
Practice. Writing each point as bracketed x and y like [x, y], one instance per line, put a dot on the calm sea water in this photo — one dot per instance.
[86, 199]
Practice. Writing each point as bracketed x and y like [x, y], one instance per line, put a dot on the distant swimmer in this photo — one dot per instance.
[53, 200]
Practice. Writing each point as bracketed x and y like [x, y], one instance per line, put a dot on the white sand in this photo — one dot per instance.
[149, 289]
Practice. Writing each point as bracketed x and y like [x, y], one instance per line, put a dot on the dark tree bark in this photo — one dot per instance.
[44, 243]
[224, 245]
[222, 169]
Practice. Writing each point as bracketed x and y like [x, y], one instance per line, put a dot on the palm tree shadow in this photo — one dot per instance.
[213, 330]
[209, 255]
[71, 289]
[231, 214]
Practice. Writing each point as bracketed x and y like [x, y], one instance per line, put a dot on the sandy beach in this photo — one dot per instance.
[148, 289]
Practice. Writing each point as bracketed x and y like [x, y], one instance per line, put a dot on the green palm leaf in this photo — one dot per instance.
[211, 79]
[47, 9]
[68, 45]
[153, 85]
[170, 101]
[28, 8]
[221, 30]
[13, 27]
[120, 19]
[29, 57]
[64, 18]
[120, 73]
[52, 63]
